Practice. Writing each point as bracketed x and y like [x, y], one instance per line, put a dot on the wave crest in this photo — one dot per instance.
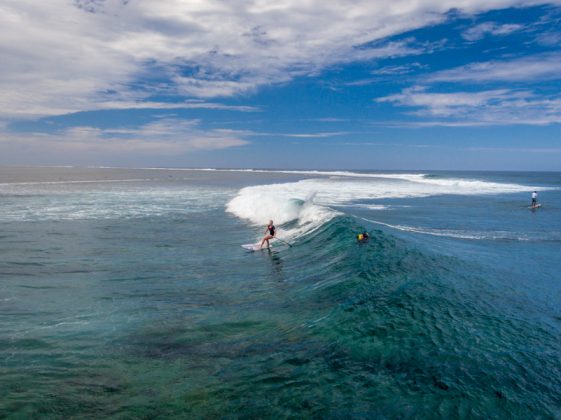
[259, 204]
[304, 205]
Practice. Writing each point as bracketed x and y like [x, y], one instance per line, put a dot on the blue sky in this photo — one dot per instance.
[285, 84]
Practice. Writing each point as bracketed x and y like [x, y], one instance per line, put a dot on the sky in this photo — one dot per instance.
[288, 84]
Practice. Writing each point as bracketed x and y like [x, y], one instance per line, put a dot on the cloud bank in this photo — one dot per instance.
[60, 57]
[164, 137]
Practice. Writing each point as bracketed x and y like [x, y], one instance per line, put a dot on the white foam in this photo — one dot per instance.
[280, 203]
[457, 234]
[374, 206]
[283, 202]
[478, 186]
[462, 186]
[118, 202]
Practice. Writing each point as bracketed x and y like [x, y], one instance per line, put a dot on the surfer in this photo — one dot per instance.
[534, 199]
[269, 234]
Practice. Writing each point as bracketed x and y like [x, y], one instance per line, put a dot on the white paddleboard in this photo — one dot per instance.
[535, 207]
[254, 247]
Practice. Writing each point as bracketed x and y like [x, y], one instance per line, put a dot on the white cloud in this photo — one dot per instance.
[536, 67]
[478, 32]
[546, 150]
[398, 70]
[320, 135]
[444, 104]
[387, 72]
[60, 57]
[164, 137]
[549, 39]
[189, 104]
[489, 107]
[331, 119]
[364, 143]
[457, 107]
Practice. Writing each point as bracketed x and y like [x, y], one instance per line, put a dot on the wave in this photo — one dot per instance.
[259, 204]
[478, 186]
[308, 203]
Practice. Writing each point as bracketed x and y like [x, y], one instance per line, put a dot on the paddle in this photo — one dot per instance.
[284, 242]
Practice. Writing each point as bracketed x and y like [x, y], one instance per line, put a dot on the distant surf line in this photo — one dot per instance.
[75, 182]
[420, 177]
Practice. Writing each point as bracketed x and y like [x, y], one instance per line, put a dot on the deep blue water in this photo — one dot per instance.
[125, 293]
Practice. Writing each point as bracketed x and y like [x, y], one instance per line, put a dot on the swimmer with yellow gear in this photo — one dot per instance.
[363, 237]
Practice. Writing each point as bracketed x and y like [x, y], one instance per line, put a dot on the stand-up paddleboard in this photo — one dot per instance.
[537, 206]
[254, 247]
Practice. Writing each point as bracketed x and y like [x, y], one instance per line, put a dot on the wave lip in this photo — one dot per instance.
[277, 202]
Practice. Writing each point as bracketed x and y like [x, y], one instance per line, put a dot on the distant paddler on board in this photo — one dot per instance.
[535, 203]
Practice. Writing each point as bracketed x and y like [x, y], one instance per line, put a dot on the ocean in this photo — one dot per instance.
[125, 293]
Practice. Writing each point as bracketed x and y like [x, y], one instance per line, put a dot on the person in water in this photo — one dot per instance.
[269, 234]
[362, 237]
[534, 199]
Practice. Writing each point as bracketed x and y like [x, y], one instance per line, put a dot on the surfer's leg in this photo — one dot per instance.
[266, 239]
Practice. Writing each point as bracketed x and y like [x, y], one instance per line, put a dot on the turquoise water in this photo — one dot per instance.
[125, 293]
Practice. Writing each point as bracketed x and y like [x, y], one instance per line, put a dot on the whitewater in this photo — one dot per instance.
[314, 201]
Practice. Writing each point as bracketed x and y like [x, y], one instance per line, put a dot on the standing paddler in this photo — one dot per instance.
[534, 199]
[269, 233]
